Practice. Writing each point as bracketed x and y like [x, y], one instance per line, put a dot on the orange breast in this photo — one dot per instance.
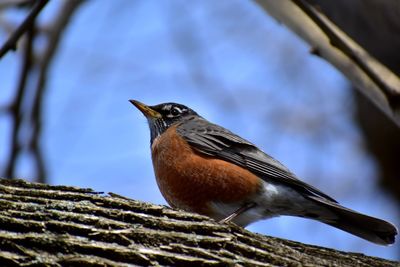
[190, 180]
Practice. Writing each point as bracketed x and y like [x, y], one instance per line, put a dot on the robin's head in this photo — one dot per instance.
[161, 117]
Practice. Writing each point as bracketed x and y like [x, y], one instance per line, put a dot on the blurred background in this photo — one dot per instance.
[65, 116]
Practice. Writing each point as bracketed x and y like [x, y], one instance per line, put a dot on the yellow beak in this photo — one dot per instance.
[146, 110]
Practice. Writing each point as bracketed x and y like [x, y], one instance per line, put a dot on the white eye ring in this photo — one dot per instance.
[175, 111]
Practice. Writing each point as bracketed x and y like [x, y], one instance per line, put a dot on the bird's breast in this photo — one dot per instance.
[193, 181]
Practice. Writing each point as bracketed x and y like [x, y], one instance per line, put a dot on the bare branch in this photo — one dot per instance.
[54, 35]
[35, 69]
[15, 107]
[376, 81]
[11, 43]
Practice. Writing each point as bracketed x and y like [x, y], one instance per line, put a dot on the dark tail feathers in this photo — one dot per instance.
[369, 228]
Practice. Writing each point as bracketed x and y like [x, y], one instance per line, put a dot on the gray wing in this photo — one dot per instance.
[216, 141]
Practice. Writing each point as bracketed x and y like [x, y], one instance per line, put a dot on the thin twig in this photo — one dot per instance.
[15, 107]
[11, 43]
[33, 116]
[61, 20]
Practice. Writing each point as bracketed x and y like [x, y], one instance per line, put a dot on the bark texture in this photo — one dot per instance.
[42, 225]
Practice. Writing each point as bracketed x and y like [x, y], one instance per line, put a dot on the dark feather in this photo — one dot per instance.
[373, 229]
[214, 140]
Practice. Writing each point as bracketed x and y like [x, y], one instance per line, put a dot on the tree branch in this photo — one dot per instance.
[15, 108]
[11, 43]
[376, 81]
[35, 69]
[68, 226]
[54, 35]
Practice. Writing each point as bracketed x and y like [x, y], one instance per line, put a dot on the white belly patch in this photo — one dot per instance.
[272, 201]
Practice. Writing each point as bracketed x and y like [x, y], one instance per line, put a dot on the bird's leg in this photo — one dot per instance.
[239, 211]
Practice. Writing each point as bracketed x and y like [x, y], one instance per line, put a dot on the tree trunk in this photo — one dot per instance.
[42, 225]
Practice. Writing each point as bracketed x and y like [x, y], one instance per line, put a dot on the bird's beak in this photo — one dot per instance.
[146, 110]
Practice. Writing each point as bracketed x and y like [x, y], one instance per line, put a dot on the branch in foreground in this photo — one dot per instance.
[374, 80]
[68, 226]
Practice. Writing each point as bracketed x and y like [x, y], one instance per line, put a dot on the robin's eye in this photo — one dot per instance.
[175, 111]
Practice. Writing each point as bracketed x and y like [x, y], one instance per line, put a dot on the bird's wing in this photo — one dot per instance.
[216, 141]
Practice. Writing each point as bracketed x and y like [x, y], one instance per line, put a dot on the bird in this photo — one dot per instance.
[202, 167]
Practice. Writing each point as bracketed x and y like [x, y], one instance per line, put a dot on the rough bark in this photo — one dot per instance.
[42, 225]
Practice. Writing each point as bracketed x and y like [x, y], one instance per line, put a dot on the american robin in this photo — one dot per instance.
[204, 168]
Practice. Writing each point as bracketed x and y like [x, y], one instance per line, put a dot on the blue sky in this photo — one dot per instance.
[231, 63]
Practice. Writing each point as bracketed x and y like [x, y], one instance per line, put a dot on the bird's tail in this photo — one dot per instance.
[369, 228]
